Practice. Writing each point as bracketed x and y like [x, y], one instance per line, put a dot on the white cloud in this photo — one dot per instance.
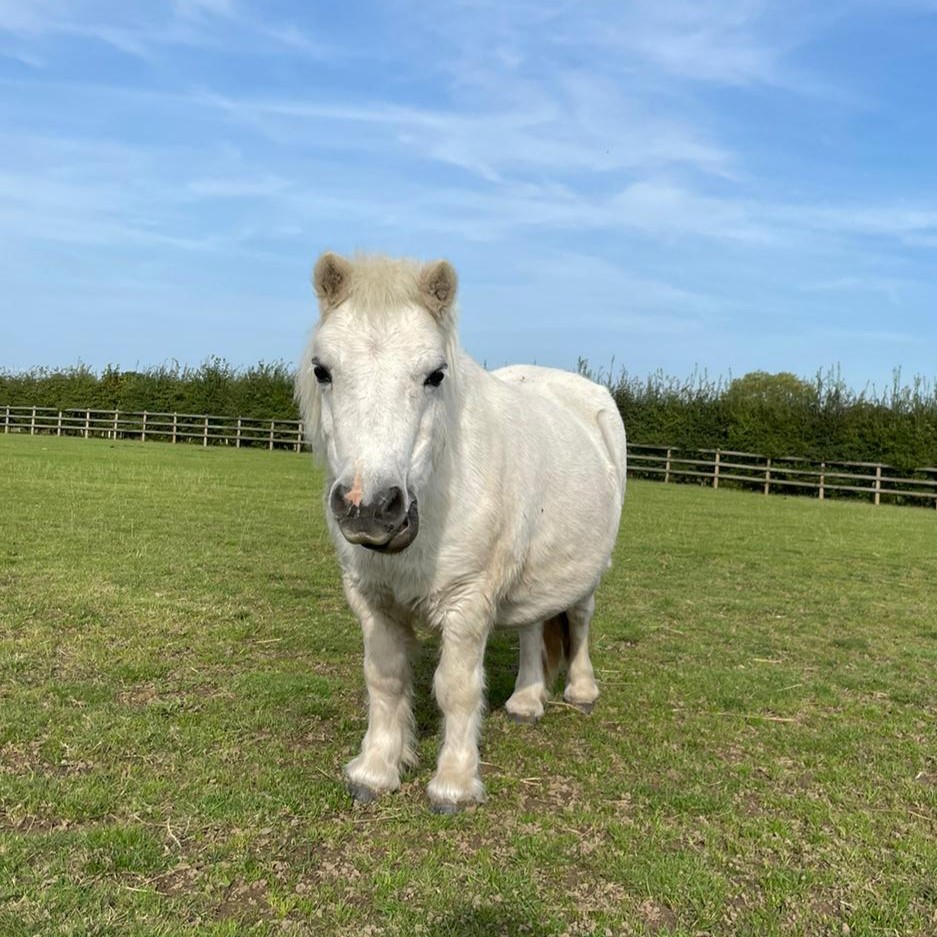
[543, 134]
[854, 335]
[498, 130]
[109, 191]
[264, 187]
[891, 288]
[724, 42]
[717, 42]
[146, 30]
[196, 9]
[893, 220]
[667, 210]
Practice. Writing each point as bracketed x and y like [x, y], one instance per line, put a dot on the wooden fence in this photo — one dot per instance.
[717, 467]
[165, 427]
[712, 467]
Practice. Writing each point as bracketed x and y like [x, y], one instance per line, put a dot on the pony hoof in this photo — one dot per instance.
[582, 707]
[361, 794]
[522, 719]
[446, 808]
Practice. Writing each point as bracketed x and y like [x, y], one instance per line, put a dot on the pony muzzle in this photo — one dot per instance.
[388, 523]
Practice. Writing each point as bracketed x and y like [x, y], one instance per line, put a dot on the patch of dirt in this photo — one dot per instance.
[19, 761]
[554, 794]
[246, 902]
[656, 916]
[141, 695]
[29, 760]
[177, 882]
[750, 805]
[27, 824]
[737, 906]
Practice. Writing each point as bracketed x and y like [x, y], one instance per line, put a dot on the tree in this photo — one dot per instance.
[770, 413]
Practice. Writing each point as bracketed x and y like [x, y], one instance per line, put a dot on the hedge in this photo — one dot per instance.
[772, 414]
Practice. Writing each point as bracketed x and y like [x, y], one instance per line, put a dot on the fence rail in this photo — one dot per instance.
[714, 467]
[167, 427]
[717, 467]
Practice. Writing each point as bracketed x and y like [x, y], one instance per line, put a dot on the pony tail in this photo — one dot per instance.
[556, 646]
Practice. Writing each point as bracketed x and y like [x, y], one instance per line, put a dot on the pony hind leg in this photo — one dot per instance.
[581, 689]
[530, 692]
[544, 648]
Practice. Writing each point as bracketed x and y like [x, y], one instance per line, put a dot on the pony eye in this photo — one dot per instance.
[323, 376]
[435, 378]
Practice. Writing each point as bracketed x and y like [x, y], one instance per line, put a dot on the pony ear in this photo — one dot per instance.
[438, 283]
[331, 279]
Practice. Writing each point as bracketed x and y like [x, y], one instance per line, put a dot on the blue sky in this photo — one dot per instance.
[730, 185]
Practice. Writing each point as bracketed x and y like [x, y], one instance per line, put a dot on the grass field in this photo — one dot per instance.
[180, 684]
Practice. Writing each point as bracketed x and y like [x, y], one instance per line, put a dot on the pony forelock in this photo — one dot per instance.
[374, 282]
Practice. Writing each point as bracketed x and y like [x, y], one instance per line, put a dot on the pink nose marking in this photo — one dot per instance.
[353, 495]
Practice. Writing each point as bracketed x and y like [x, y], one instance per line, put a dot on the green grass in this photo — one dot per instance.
[180, 684]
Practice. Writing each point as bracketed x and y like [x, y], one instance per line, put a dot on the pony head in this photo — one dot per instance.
[372, 388]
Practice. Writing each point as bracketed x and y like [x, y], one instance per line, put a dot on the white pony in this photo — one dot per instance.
[456, 498]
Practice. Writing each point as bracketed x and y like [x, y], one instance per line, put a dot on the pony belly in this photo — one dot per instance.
[529, 605]
[558, 575]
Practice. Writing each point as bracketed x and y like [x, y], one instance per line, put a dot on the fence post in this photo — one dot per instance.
[116, 417]
[270, 446]
[32, 423]
[768, 476]
[237, 444]
[174, 426]
[58, 425]
[716, 471]
[143, 431]
[667, 467]
[878, 484]
[87, 422]
[6, 420]
[822, 478]
[299, 435]
[205, 433]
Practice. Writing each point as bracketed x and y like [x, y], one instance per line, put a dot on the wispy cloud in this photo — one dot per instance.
[660, 158]
[715, 42]
[198, 9]
[144, 30]
[563, 135]
[891, 288]
[646, 42]
[76, 189]
[865, 336]
[894, 219]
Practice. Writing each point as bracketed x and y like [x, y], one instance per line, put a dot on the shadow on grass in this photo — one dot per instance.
[501, 921]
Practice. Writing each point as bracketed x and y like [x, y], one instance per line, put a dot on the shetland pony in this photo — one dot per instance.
[457, 498]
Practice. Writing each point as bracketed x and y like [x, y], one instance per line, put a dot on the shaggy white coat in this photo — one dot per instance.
[519, 476]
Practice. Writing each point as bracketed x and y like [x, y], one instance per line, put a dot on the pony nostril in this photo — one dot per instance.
[392, 506]
[338, 501]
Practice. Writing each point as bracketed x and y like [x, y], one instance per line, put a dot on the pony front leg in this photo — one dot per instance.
[459, 686]
[388, 743]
